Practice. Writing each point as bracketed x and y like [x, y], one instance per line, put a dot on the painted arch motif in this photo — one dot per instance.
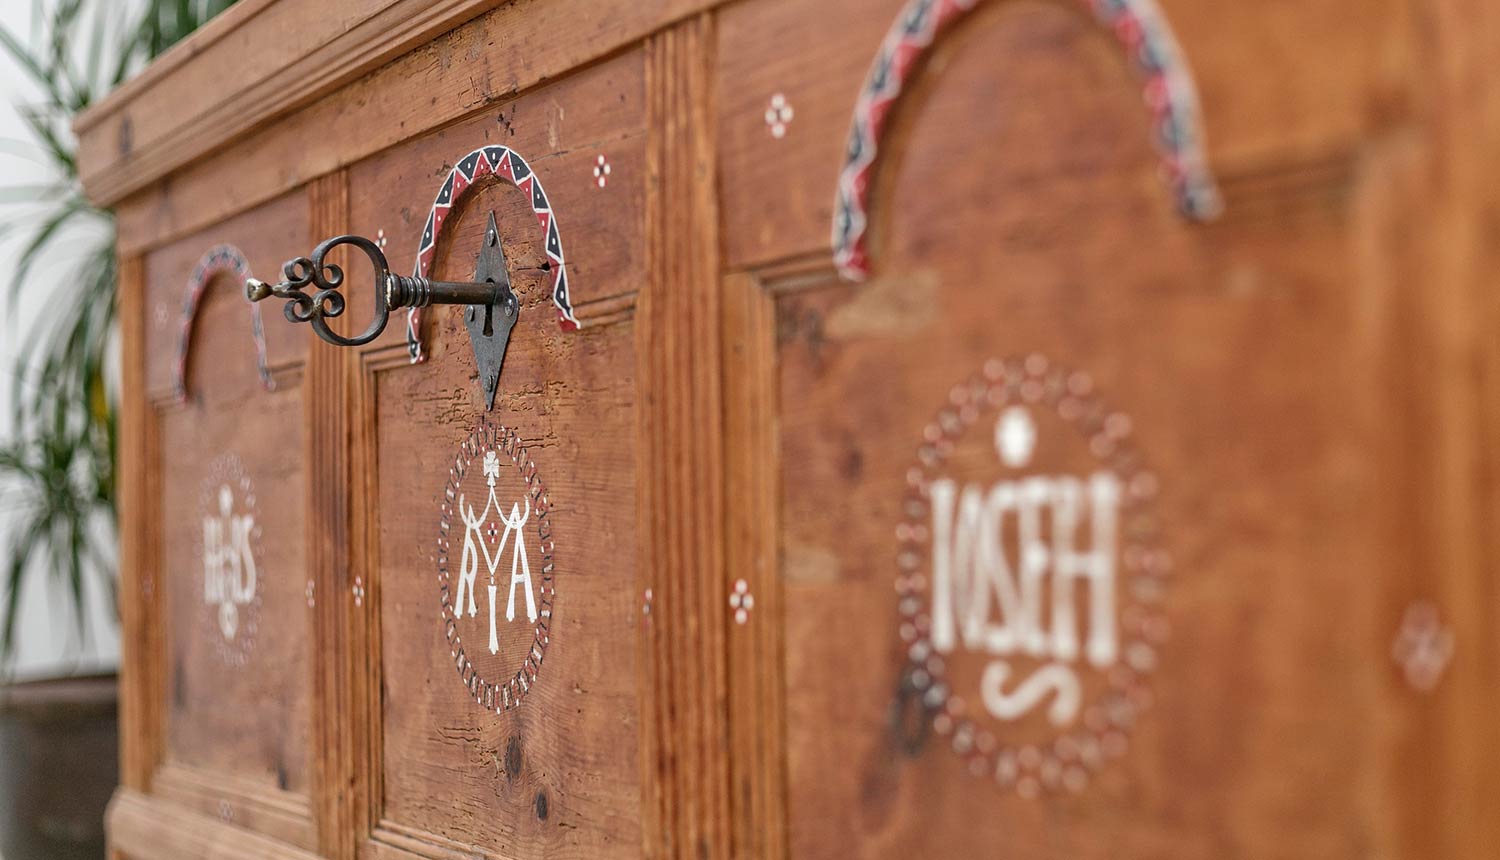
[219, 259]
[1142, 31]
[507, 164]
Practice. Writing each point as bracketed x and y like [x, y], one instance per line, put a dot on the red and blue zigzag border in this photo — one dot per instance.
[508, 164]
[1141, 29]
[220, 258]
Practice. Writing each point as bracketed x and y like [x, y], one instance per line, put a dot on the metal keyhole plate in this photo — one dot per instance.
[489, 331]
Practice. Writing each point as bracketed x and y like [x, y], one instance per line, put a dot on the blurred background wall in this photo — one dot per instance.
[49, 639]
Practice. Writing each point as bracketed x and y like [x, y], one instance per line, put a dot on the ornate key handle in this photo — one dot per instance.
[493, 307]
[392, 291]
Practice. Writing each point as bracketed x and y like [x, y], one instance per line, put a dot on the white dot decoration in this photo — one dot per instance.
[359, 591]
[601, 171]
[741, 601]
[779, 115]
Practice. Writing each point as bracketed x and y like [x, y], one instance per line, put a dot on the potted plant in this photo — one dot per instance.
[58, 750]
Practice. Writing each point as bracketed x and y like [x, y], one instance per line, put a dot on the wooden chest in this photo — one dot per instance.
[930, 429]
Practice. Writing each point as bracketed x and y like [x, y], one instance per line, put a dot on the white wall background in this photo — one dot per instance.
[49, 642]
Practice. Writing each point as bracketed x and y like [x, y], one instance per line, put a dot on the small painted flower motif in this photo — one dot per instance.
[601, 171]
[779, 116]
[381, 239]
[1423, 646]
[359, 591]
[741, 601]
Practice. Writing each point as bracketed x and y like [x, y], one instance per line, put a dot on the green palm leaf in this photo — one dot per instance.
[57, 472]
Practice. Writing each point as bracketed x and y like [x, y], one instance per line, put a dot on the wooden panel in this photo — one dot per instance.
[757, 702]
[1356, 69]
[238, 639]
[1426, 282]
[1227, 707]
[238, 689]
[558, 772]
[743, 460]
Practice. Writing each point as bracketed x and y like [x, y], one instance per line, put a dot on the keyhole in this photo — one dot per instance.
[489, 314]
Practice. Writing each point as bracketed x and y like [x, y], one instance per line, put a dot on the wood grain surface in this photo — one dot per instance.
[730, 444]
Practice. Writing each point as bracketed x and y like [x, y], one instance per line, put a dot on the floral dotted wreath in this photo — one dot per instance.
[504, 441]
[1070, 759]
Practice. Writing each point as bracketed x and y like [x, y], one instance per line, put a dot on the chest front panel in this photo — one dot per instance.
[972, 428]
[1042, 481]
[231, 583]
[509, 609]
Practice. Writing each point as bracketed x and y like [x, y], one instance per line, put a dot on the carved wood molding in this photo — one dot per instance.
[361, 664]
[142, 826]
[757, 646]
[141, 664]
[393, 840]
[681, 457]
[245, 803]
[327, 427]
[167, 118]
[757, 706]
[141, 134]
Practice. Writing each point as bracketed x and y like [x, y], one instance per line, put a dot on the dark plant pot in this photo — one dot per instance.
[59, 762]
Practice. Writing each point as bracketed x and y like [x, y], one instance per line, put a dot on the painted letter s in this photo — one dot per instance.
[1053, 677]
